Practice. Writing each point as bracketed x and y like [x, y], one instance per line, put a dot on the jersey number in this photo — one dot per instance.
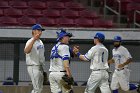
[103, 57]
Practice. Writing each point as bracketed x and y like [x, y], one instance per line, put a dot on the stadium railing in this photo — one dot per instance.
[135, 18]
[118, 13]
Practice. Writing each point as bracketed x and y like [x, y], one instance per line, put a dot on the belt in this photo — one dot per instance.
[98, 69]
[121, 69]
[57, 71]
[34, 65]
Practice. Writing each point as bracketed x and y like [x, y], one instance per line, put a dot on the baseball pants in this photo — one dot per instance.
[55, 85]
[120, 79]
[98, 79]
[36, 75]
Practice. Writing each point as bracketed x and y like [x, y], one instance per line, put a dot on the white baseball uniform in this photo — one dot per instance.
[98, 55]
[120, 76]
[59, 53]
[34, 60]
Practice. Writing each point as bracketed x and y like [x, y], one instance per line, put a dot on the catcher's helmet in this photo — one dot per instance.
[117, 39]
[100, 36]
[62, 34]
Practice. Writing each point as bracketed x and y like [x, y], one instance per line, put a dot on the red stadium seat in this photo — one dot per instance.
[103, 23]
[26, 21]
[9, 21]
[70, 13]
[51, 13]
[136, 1]
[19, 4]
[37, 4]
[13, 12]
[4, 4]
[33, 13]
[130, 10]
[84, 22]
[56, 5]
[1, 12]
[65, 22]
[88, 14]
[65, 0]
[124, 4]
[46, 21]
[74, 6]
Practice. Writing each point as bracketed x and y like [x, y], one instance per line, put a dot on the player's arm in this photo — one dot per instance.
[127, 56]
[82, 57]
[111, 61]
[29, 46]
[85, 57]
[127, 62]
[67, 68]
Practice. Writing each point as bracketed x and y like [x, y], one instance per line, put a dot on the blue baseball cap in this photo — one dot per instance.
[37, 27]
[62, 33]
[117, 39]
[100, 36]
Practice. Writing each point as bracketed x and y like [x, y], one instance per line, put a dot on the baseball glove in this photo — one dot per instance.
[138, 89]
[67, 82]
[45, 78]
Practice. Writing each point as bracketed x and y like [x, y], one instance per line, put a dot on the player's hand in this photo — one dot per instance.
[76, 49]
[37, 36]
[120, 65]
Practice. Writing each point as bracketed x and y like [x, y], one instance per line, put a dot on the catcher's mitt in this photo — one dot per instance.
[67, 82]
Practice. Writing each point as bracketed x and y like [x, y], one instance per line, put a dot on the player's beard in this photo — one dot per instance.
[116, 45]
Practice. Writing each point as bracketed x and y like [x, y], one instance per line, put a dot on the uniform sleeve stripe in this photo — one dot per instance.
[66, 58]
[66, 55]
[86, 57]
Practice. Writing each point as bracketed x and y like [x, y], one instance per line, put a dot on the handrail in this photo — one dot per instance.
[112, 10]
[135, 21]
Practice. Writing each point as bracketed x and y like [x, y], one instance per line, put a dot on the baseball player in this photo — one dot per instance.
[34, 50]
[98, 55]
[59, 62]
[121, 58]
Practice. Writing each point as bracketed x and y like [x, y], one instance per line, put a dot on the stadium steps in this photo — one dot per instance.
[97, 5]
[113, 17]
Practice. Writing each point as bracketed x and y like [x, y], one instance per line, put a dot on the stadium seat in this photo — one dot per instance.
[84, 22]
[138, 18]
[53, 13]
[88, 14]
[56, 5]
[37, 4]
[47, 21]
[130, 10]
[8, 21]
[65, 0]
[13, 12]
[65, 22]
[26, 21]
[136, 1]
[70, 13]
[19, 4]
[124, 4]
[4, 4]
[33, 13]
[1, 12]
[103, 23]
[74, 6]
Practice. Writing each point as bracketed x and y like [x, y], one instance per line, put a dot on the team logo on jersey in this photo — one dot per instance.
[117, 55]
[40, 47]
